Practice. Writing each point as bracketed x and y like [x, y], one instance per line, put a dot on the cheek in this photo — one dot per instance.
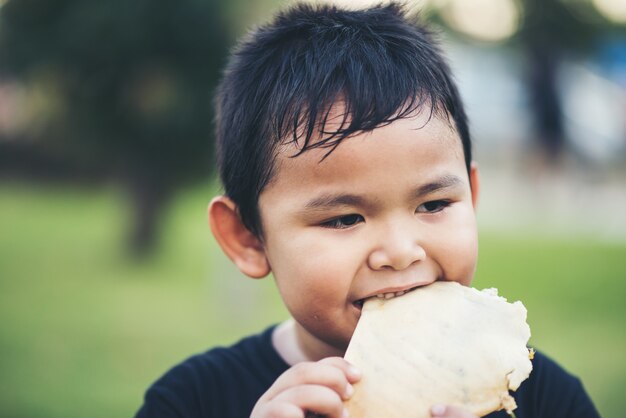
[459, 250]
[311, 271]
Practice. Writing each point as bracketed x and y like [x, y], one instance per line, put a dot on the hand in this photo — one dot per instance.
[447, 411]
[309, 387]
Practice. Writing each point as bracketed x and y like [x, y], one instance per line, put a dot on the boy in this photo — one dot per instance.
[346, 160]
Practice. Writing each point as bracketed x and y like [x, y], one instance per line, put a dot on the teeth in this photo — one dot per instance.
[390, 295]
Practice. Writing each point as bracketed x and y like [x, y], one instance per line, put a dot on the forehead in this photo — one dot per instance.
[420, 126]
[414, 147]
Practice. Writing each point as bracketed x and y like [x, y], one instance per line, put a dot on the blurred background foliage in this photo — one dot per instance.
[108, 273]
[116, 89]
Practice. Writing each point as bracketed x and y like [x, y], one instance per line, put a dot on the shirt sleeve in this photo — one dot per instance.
[220, 383]
[581, 405]
[158, 405]
[183, 392]
[553, 392]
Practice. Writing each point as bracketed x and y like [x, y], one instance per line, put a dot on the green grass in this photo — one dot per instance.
[84, 330]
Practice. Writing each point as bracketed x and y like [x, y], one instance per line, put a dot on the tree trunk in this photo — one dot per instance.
[148, 195]
[545, 101]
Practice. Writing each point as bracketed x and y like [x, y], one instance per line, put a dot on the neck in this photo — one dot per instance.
[295, 344]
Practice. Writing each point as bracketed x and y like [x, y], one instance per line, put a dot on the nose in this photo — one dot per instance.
[398, 249]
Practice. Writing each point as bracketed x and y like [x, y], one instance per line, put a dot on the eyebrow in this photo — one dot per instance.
[444, 182]
[334, 200]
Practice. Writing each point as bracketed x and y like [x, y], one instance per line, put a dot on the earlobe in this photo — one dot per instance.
[474, 183]
[237, 242]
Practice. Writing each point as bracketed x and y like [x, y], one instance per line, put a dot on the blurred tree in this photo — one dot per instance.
[550, 30]
[128, 92]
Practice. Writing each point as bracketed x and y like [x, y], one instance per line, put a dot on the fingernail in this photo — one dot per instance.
[438, 410]
[345, 413]
[349, 391]
[356, 373]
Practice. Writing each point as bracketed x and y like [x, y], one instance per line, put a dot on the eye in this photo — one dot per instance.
[433, 206]
[343, 222]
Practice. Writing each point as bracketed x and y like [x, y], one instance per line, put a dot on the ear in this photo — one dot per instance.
[474, 183]
[238, 243]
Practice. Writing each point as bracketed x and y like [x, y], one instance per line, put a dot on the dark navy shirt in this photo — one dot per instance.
[227, 382]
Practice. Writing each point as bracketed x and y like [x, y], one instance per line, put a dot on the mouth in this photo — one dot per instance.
[386, 295]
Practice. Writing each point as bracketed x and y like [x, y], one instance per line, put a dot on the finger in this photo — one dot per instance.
[314, 398]
[279, 410]
[449, 411]
[322, 374]
[352, 372]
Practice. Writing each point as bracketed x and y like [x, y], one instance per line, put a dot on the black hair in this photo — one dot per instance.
[283, 79]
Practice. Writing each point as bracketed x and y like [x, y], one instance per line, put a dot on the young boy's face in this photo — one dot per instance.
[385, 212]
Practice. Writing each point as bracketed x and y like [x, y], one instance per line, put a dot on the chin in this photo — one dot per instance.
[330, 333]
[336, 340]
